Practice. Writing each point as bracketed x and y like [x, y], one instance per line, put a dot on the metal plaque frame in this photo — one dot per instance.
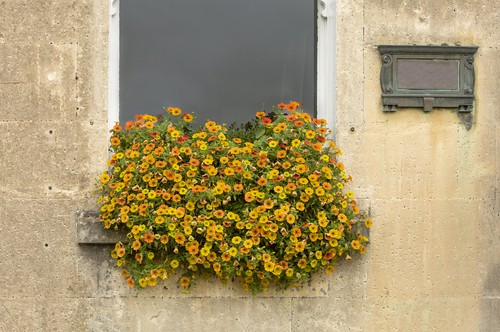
[427, 77]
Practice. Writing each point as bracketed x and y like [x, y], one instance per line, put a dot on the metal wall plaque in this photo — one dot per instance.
[427, 77]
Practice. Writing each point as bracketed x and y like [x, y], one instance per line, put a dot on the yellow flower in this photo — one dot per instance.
[248, 244]
[295, 143]
[205, 251]
[233, 251]
[269, 266]
[236, 240]
[277, 270]
[104, 177]
[355, 244]
[368, 223]
[142, 282]
[187, 117]
[323, 222]
[310, 134]
[320, 191]
[174, 264]
[278, 189]
[300, 246]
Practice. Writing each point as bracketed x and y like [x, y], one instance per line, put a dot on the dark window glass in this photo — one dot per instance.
[223, 60]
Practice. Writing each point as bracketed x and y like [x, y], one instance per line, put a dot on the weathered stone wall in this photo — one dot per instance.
[431, 185]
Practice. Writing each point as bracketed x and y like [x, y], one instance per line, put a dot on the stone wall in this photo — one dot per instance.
[432, 186]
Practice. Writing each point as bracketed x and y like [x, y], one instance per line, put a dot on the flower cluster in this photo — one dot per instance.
[266, 209]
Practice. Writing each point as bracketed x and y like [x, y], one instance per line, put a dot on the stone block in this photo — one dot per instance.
[206, 314]
[341, 312]
[38, 249]
[417, 251]
[46, 160]
[421, 314]
[40, 21]
[349, 108]
[490, 314]
[45, 74]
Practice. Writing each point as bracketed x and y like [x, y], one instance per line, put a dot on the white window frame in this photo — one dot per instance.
[326, 62]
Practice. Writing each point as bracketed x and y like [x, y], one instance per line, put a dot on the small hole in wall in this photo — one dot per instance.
[51, 132]
[50, 187]
[353, 129]
[46, 245]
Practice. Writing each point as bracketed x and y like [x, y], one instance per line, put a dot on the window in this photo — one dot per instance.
[221, 59]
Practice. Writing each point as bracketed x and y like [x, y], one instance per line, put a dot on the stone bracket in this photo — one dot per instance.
[91, 231]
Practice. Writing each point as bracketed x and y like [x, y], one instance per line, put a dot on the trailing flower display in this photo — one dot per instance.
[262, 204]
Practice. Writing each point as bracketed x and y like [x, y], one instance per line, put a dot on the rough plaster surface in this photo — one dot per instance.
[431, 185]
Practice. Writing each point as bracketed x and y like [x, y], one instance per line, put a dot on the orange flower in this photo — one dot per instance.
[193, 250]
[260, 114]
[300, 246]
[292, 107]
[129, 125]
[262, 181]
[226, 256]
[184, 282]
[296, 232]
[355, 244]
[218, 213]
[148, 237]
[117, 128]
[180, 238]
[130, 282]
[164, 239]
[138, 257]
[266, 120]
[115, 141]
[317, 146]
[282, 105]
[120, 252]
[136, 245]
[169, 175]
